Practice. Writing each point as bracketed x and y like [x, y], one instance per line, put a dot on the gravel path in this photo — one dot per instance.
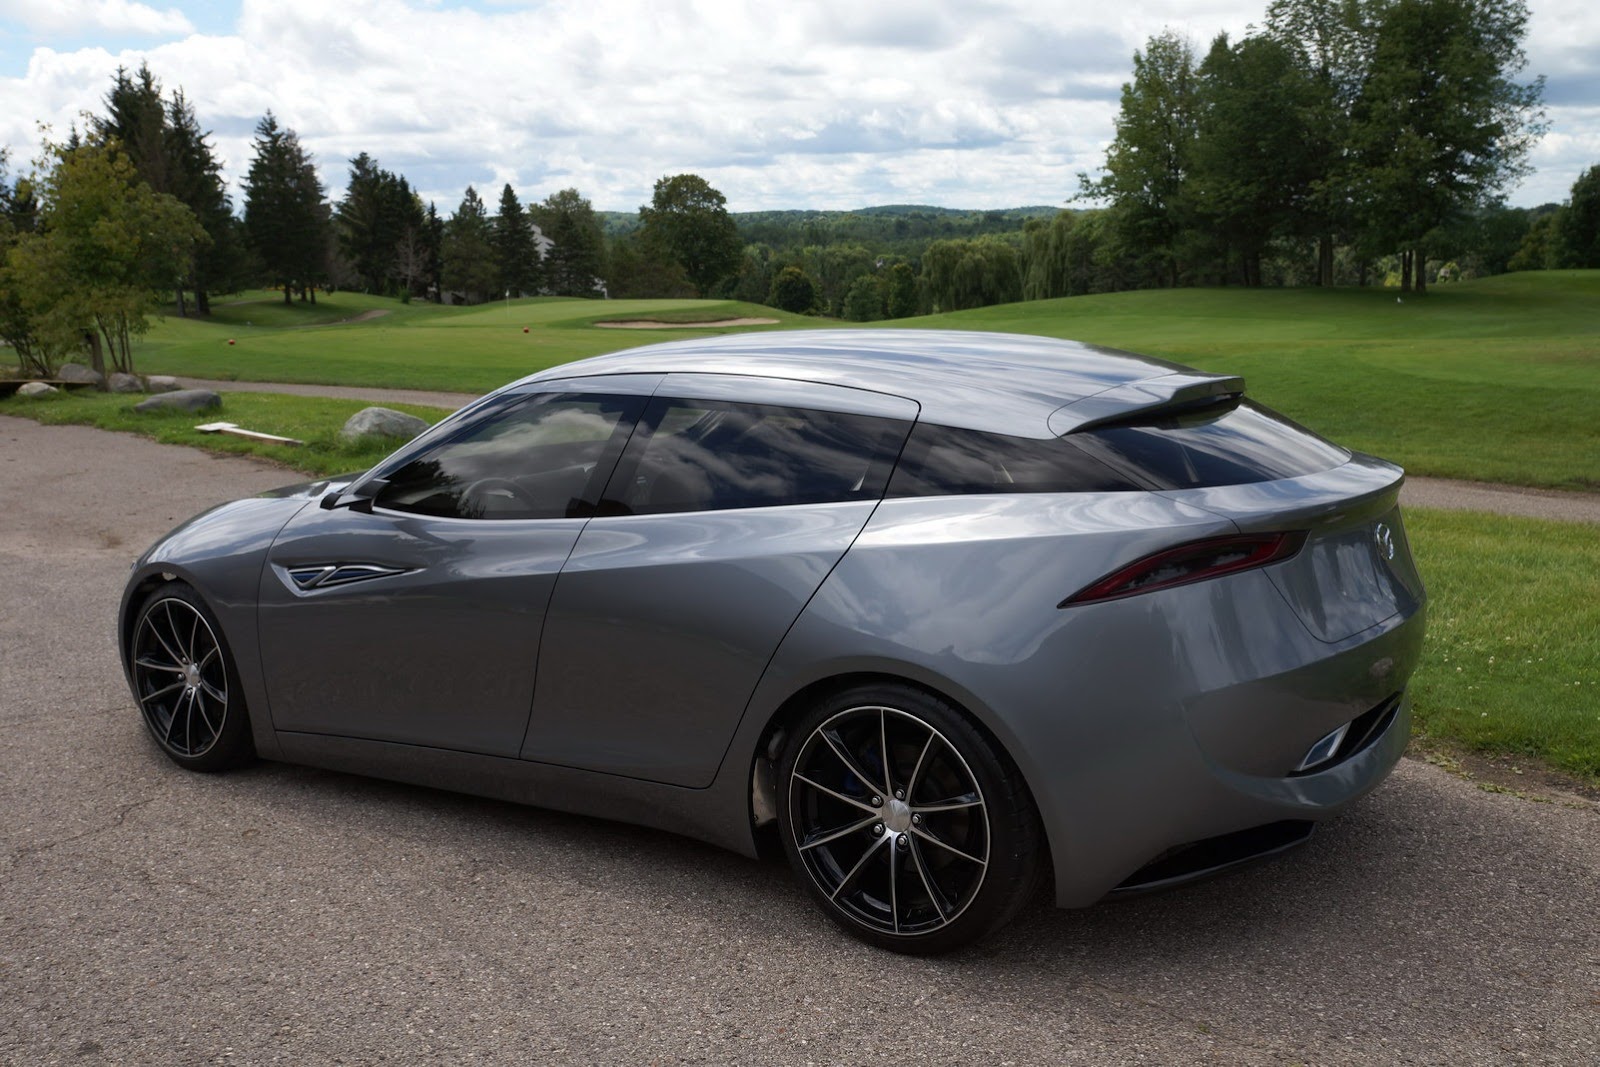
[1418, 492]
[287, 915]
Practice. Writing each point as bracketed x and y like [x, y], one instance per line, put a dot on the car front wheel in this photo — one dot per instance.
[186, 684]
[908, 825]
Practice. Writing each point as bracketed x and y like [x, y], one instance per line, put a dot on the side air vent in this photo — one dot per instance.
[320, 577]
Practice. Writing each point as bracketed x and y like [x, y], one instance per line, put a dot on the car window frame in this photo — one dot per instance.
[582, 506]
[881, 467]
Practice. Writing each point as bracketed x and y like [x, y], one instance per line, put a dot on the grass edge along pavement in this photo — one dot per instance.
[1510, 668]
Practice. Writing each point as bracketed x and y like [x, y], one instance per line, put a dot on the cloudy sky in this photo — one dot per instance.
[816, 103]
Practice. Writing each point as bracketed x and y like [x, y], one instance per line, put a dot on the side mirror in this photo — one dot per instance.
[359, 498]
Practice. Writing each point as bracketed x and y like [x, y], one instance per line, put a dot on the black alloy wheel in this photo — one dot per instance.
[908, 826]
[186, 684]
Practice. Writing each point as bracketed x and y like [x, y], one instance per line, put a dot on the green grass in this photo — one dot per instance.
[1492, 380]
[1512, 660]
[314, 420]
[416, 345]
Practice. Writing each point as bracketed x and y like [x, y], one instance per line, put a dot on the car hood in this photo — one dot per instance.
[312, 490]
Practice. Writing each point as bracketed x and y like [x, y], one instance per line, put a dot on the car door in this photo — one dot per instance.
[418, 621]
[734, 499]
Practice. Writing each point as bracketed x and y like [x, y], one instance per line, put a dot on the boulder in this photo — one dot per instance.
[161, 383]
[125, 383]
[181, 400]
[35, 389]
[381, 422]
[78, 374]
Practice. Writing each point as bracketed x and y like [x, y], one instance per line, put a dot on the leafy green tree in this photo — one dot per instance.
[865, 300]
[1248, 167]
[19, 212]
[900, 300]
[689, 220]
[1579, 226]
[574, 263]
[1148, 162]
[1330, 41]
[959, 275]
[105, 246]
[173, 155]
[635, 270]
[793, 291]
[285, 217]
[1441, 125]
[1541, 245]
[469, 266]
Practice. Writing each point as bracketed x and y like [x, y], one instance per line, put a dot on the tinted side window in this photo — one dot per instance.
[943, 461]
[534, 460]
[1245, 444]
[702, 455]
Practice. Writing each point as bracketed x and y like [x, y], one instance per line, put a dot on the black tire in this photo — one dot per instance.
[186, 684]
[948, 861]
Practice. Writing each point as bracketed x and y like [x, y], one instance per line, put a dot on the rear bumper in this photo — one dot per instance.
[1167, 755]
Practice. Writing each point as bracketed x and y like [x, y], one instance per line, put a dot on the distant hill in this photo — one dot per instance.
[905, 221]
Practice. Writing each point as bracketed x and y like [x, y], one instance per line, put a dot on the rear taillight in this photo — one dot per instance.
[1197, 561]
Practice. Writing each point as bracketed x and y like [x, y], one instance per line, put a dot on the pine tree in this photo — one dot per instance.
[468, 251]
[284, 213]
[574, 262]
[516, 256]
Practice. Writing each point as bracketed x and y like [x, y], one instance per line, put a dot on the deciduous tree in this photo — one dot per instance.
[689, 220]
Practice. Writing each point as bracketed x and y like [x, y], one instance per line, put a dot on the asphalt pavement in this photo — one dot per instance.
[285, 915]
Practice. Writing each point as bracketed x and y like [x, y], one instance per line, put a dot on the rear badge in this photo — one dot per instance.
[1385, 538]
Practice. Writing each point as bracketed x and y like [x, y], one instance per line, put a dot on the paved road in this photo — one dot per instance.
[1418, 492]
[287, 915]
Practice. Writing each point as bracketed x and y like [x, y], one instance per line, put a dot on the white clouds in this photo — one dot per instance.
[85, 17]
[829, 103]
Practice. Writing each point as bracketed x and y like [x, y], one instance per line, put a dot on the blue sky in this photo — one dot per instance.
[826, 103]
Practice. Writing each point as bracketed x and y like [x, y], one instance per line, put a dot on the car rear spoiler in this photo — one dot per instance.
[1166, 394]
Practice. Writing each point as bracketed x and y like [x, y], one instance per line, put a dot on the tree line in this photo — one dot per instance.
[1341, 142]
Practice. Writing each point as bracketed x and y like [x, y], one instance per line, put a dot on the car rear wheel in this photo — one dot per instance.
[910, 827]
[186, 684]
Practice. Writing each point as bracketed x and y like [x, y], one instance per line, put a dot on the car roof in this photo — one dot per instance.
[996, 382]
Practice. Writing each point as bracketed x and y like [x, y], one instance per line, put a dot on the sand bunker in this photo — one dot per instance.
[657, 324]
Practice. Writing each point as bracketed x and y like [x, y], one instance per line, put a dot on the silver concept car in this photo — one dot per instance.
[953, 613]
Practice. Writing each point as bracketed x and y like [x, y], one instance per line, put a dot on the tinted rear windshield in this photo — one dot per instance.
[1244, 444]
[944, 461]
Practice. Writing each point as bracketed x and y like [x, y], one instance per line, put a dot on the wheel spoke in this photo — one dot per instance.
[968, 800]
[860, 863]
[188, 721]
[213, 654]
[883, 753]
[214, 693]
[156, 665]
[161, 691]
[936, 898]
[199, 698]
[813, 842]
[894, 886]
[916, 772]
[863, 805]
[849, 762]
[174, 720]
[154, 629]
[932, 840]
[194, 634]
[172, 628]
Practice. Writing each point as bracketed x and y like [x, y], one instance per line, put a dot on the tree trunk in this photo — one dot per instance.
[202, 302]
[1405, 272]
[183, 310]
[1361, 274]
[1419, 260]
[288, 293]
[97, 354]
